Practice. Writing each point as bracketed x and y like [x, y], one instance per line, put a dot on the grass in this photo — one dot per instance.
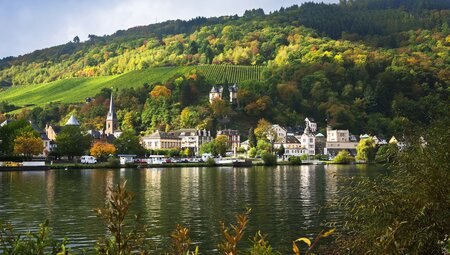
[75, 90]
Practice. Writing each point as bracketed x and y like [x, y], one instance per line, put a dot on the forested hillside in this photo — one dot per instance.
[371, 66]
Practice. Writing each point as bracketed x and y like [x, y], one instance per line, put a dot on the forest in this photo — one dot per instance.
[371, 66]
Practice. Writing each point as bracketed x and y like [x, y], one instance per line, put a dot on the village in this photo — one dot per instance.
[190, 145]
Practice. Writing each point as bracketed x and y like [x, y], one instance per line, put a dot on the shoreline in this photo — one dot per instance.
[66, 166]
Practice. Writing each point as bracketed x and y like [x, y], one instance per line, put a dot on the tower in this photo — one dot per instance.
[233, 94]
[216, 92]
[111, 119]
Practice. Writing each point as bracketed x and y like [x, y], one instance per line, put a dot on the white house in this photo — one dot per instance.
[338, 140]
[192, 139]
[281, 133]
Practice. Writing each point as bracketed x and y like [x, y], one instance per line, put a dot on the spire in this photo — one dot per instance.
[112, 110]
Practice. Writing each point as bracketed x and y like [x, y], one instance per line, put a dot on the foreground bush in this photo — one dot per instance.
[407, 211]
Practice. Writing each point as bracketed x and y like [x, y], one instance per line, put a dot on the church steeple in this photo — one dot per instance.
[111, 118]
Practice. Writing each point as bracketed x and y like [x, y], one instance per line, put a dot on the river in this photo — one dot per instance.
[287, 201]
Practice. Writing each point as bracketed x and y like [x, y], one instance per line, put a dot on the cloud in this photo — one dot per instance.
[28, 25]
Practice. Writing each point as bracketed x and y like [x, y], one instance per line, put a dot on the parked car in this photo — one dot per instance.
[88, 160]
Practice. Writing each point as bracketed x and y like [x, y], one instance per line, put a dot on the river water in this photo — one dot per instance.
[287, 201]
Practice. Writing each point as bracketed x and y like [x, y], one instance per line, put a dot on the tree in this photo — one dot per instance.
[263, 130]
[220, 145]
[281, 151]
[10, 132]
[160, 91]
[386, 153]
[366, 150]
[207, 148]
[76, 39]
[220, 108]
[128, 143]
[72, 142]
[252, 138]
[263, 147]
[252, 152]
[343, 157]
[28, 144]
[102, 150]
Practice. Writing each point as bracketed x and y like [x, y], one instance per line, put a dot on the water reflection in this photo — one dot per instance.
[286, 200]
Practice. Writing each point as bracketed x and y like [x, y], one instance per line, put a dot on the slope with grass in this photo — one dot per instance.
[77, 89]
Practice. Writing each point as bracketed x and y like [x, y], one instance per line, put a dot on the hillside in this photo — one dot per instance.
[372, 66]
[75, 90]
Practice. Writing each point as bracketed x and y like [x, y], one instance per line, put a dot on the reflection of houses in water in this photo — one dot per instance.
[50, 190]
[331, 183]
[152, 192]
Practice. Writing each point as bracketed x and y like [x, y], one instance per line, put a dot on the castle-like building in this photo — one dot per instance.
[217, 93]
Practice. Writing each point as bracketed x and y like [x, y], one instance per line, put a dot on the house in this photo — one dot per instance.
[52, 131]
[126, 159]
[379, 140]
[45, 140]
[280, 132]
[192, 139]
[217, 93]
[292, 147]
[308, 140]
[245, 145]
[320, 144]
[338, 140]
[161, 140]
[234, 140]
[309, 122]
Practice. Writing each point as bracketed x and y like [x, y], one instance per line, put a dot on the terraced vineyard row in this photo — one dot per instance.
[231, 73]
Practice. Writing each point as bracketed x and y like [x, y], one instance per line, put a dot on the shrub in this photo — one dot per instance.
[269, 159]
[38, 243]
[121, 239]
[252, 152]
[210, 162]
[343, 157]
[295, 161]
[407, 211]
[114, 162]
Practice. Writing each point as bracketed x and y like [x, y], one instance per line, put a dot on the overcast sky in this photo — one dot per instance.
[27, 25]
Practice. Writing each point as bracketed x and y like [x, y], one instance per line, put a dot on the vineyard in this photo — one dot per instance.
[77, 89]
[231, 73]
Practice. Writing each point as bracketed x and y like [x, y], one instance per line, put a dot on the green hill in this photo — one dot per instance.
[75, 90]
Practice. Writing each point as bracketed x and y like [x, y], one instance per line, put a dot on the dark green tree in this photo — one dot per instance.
[72, 142]
[128, 143]
[252, 138]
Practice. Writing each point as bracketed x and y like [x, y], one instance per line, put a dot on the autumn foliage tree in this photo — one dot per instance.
[102, 150]
[28, 144]
[160, 91]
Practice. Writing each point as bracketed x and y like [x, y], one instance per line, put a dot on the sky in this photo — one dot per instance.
[28, 25]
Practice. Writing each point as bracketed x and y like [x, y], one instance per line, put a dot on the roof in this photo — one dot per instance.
[6, 122]
[292, 139]
[215, 89]
[228, 132]
[163, 135]
[233, 88]
[320, 135]
[72, 121]
[112, 111]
